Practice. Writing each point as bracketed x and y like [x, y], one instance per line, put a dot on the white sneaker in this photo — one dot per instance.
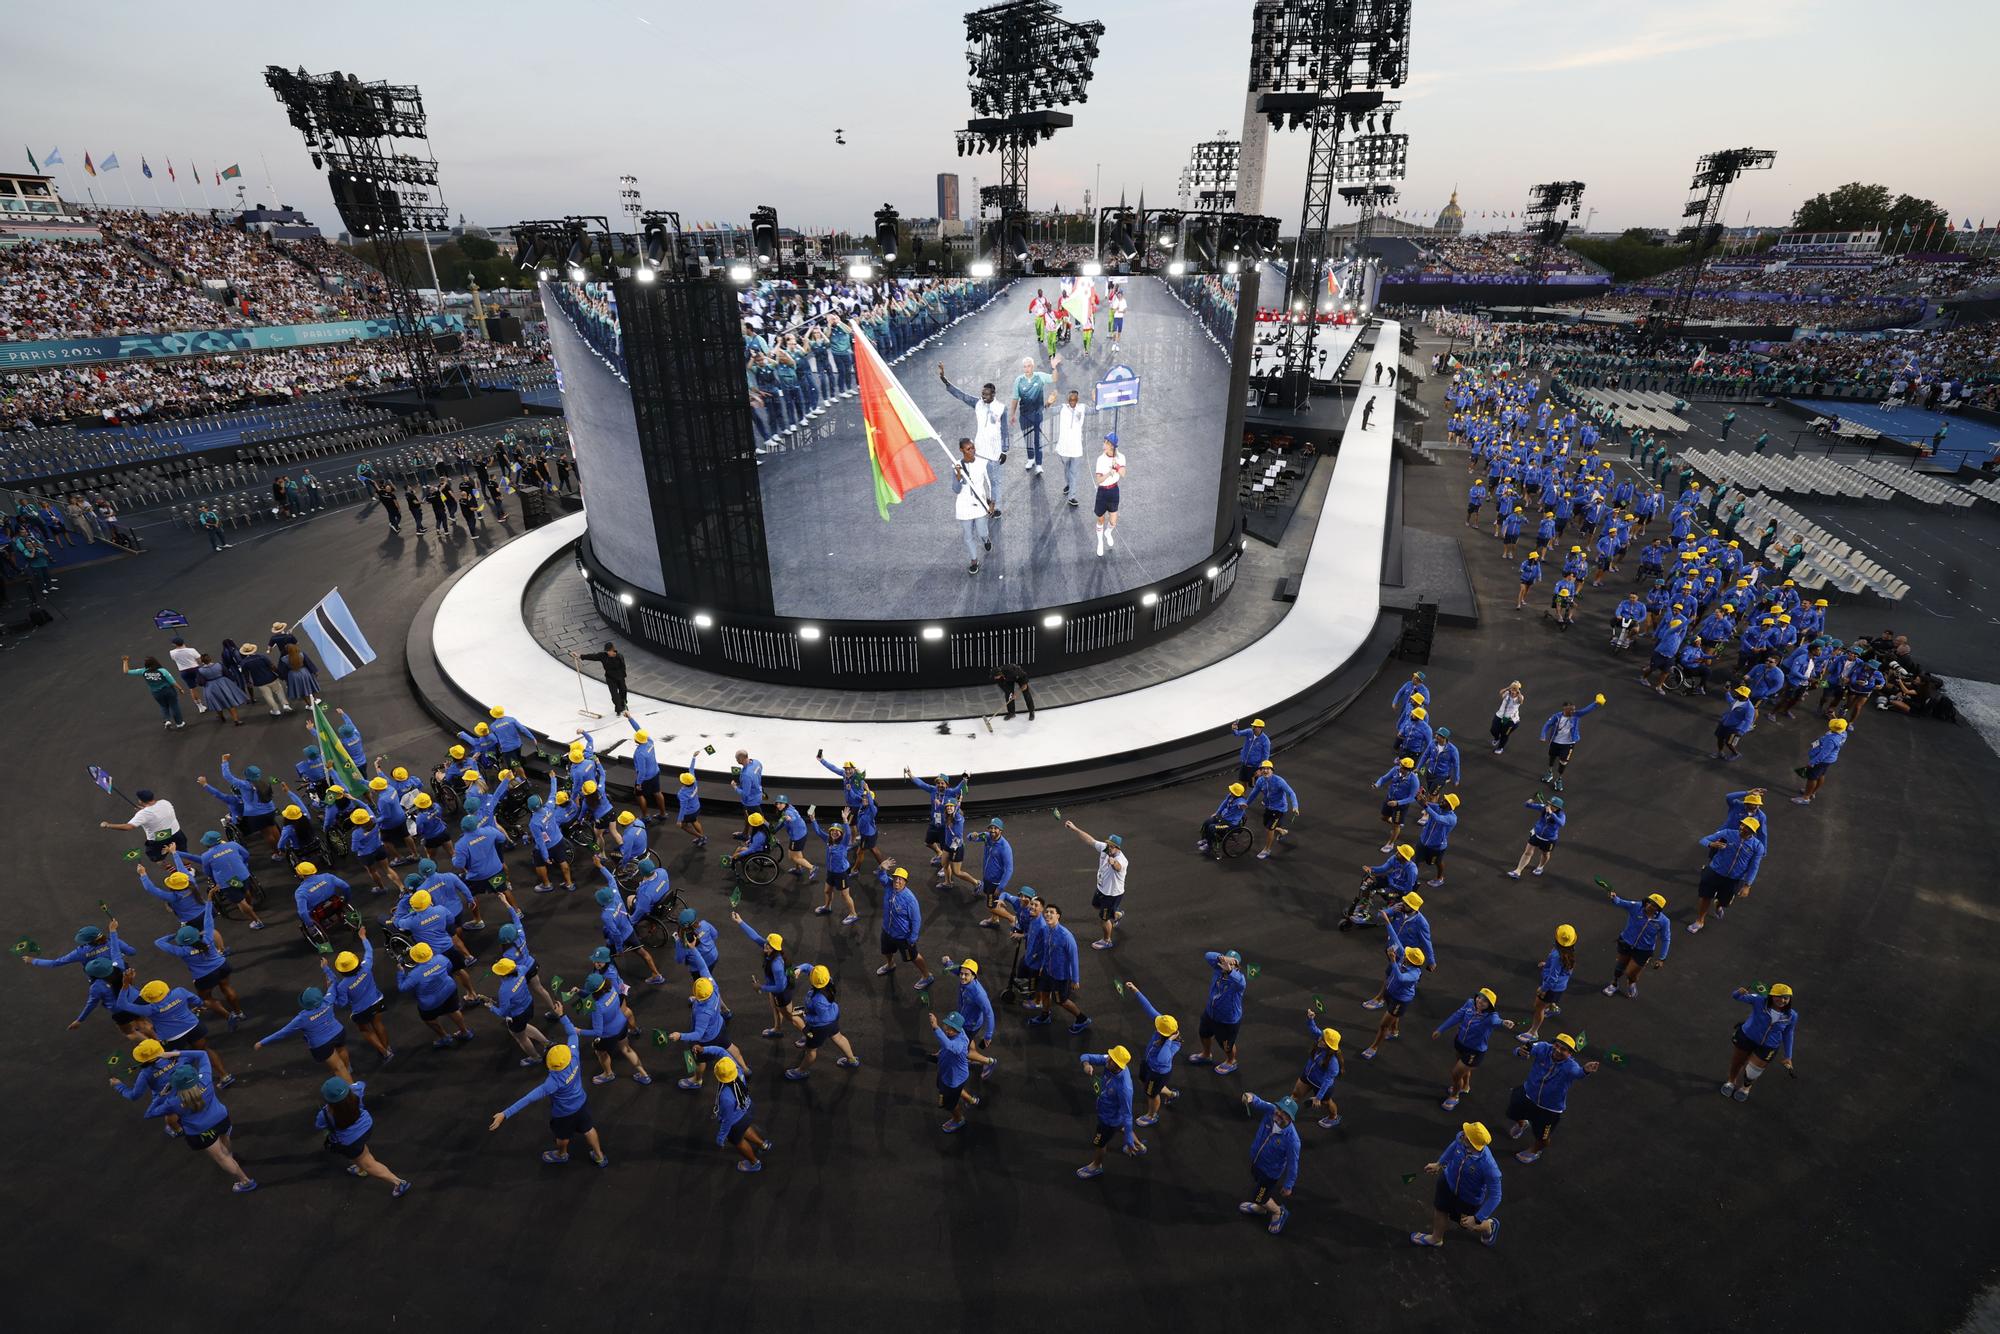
[1038, 470]
[1632, 990]
[1694, 927]
[1100, 542]
[1110, 537]
[1611, 989]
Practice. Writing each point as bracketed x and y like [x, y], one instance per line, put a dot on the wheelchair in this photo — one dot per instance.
[656, 929]
[1679, 682]
[230, 906]
[1228, 842]
[1621, 634]
[333, 915]
[1374, 895]
[758, 868]
[449, 798]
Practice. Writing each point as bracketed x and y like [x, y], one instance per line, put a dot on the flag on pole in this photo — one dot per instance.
[229, 173]
[33, 165]
[343, 649]
[895, 425]
[145, 167]
[89, 168]
[110, 162]
[170, 171]
[339, 764]
[1078, 302]
[53, 157]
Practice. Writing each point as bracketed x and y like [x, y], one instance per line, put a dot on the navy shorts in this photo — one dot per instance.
[650, 786]
[1057, 987]
[571, 1123]
[1107, 500]
[1220, 1030]
[892, 946]
[1817, 770]
[1466, 1055]
[326, 1049]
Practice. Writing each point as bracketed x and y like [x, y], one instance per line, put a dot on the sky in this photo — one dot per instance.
[537, 110]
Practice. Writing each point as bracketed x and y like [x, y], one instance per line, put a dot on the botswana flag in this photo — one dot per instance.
[342, 647]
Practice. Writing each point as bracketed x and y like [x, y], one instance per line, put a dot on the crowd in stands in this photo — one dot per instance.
[112, 392]
[1821, 295]
[144, 274]
[1059, 256]
[1212, 298]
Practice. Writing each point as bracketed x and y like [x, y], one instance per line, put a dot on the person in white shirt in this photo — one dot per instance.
[156, 819]
[185, 660]
[1069, 441]
[971, 506]
[989, 432]
[1109, 896]
[1110, 472]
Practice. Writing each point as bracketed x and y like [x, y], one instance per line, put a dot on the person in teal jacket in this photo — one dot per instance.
[1114, 1108]
[1274, 1160]
[1767, 1032]
[1468, 1189]
[319, 1022]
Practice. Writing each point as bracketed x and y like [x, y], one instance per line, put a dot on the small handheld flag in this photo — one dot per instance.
[101, 778]
[688, 1056]
[736, 897]
[26, 946]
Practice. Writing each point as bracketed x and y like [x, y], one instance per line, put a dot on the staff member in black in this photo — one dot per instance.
[1012, 680]
[613, 663]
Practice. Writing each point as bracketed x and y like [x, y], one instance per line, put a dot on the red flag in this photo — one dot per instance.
[895, 425]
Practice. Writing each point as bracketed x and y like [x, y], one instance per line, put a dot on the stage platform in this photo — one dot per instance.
[833, 558]
[1326, 648]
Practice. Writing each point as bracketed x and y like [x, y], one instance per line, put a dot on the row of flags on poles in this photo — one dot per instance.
[54, 158]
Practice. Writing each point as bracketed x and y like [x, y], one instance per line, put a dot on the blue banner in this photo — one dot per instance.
[203, 342]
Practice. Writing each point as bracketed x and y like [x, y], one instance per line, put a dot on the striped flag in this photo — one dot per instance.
[895, 425]
[53, 157]
[340, 765]
[331, 628]
[89, 168]
[110, 163]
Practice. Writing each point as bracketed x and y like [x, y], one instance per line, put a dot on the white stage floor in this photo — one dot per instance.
[498, 661]
[1330, 347]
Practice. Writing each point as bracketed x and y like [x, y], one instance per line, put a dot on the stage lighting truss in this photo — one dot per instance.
[1118, 235]
[1317, 47]
[886, 220]
[1371, 159]
[1023, 55]
[659, 239]
[1546, 205]
[1208, 181]
[1714, 173]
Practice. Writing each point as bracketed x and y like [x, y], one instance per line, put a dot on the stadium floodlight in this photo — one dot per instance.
[860, 271]
[1714, 173]
[1090, 268]
[645, 273]
[979, 268]
[741, 273]
[764, 235]
[1177, 268]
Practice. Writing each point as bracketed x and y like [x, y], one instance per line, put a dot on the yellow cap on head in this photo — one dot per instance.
[1236, 789]
[589, 786]
[1166, 1025]
[969, 966]
[775, 941]
[480, 729]
[1780, 989]
[703, 988]
[420, 900]
[347, 961]
[757, 820]
[725, 1070]
[1413, 955]
[899, 874]
[1256, 722]
[178, 880]
[821, 975]
[421, 953]
[503, 967]
[687, 780]
[1419, 713]
[148, 1051]
[1837, 725]
[1565, 935]
[559, 1057]
[1119, 1057]
[1330, 1038]
[305, 868]
[378, 784]
[153, 992]
[293, 813]
[1406, 852]
[1451, 800]
[641, 737]
[456, 752]
[359, 818]
[1476, 1134]
[1566, 1040]
[1752, 823]
[626, 817]
[1413, 901]
[1657, 900]
[1753, 799]
[399, 773]
[1406, 763]
[1486, 994]
[423, 801]
[496, 712]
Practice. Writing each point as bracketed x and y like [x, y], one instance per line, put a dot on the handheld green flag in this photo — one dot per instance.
[1319, 1005]
[26, 946]
[1408, 1177]
[1604, 884]
[132, 855]
[736, 897]
[688, 1056]
[1118, 985]
[116, 1058]
[659, 1037]
[104, 908]
[1253, 970]
[1617, 1056]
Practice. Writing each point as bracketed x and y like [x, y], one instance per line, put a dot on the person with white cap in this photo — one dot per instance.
[1114, 1108]
[1474, 1022]
[1539, 1101]
[1109, 895]
[1468, 1188]
[1274, 1159]
[1767, 1032]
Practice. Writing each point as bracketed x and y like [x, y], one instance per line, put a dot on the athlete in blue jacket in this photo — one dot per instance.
[1280, 801]
[902, 924]
[1227, 816]
[734, 1129]
[1401, 786]
[1114, 1108]
[1767, 1031]
[350, 985]
[1735, 854]
[319, 1023]
[1549, 821]
[1156, 1063]
[1321, 1071]
[1256, 748]
[1434, 828]
[190, 1096]
[1474, 1022]
[1563, 730]
[563, 1086]
[1737, 722]
[1274, 1160]
[348, 1124]
[1399, 986]
[818, 1019]
[1468, 1189]
[1648, 935]
[1825, 753]
[954, 1068]
[1539, 1101]
[1222, 1013]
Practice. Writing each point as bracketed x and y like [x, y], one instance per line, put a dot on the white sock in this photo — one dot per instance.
[1110, 537]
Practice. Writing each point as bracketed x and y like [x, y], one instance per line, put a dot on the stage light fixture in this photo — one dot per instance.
[1090, 268]
[809, 632]
[703, 620]
[626, 600]
[741, 273]
[979, 268]
[1231, 267]
[545, 274]
[1052, 621]
[577, 273]
[1149, 599]
[886, 219]
[861, 271]
[1176, 269]
[764, 234]
[933, 633]
[1213, 571]
[645, 273]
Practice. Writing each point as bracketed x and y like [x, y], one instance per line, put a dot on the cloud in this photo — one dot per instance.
[1670, 30]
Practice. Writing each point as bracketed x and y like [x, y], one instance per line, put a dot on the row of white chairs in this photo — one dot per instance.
[1912, 483]
[1632, 408]
[1986, 487]
[1828, 559]
[1788, 474]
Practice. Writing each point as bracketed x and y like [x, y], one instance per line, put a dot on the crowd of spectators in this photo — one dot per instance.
[269, 285]
[1810, 293]
[340, 271]
[93, 289]
[125, 391]
[1212, 298]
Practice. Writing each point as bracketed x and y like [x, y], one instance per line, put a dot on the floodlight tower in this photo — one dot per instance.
[1208, 181]
[381, 189]
[1714, 173]
[1327, 64]
[1544, 214]
[1021, 59]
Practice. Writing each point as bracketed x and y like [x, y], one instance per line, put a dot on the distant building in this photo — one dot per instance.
[1451, 218]
[947, 196]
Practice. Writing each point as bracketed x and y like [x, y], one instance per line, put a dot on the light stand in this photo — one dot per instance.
[1713, 175]
[1545, 204]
